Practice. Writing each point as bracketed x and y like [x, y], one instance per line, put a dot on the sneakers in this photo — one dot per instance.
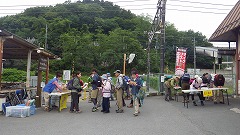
[194, 103]
[94, 109]
[166, 99]
[119, 111]
[221, 102]
[135, 114]
[78, 111]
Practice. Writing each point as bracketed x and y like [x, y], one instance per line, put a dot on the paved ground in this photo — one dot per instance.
[157, 117]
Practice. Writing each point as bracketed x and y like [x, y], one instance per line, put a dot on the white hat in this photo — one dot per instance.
[196, 76]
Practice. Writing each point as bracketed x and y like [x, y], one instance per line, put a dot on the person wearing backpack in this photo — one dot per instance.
[219, 81]
[49, 87]
[119, 89]
[76, 88]
[185, 84]
[95, 88]
[106, 90]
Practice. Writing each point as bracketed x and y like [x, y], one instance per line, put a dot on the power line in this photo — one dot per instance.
[195, 2]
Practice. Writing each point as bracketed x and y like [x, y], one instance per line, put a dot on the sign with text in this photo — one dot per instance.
[66, 74]
[42, 64]
[207, 93]
[180, 61]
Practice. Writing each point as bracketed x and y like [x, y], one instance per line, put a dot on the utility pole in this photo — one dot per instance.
[158, 26]
[194, 57]
[46, 38]
[162, 45]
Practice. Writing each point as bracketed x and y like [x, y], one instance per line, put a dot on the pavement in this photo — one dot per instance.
[157, 117]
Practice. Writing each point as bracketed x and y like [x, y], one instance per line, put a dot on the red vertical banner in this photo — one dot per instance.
[180, 61]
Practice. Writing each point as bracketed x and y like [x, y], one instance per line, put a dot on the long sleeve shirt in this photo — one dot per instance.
[135, 88]
[119, 82]
[106, 89]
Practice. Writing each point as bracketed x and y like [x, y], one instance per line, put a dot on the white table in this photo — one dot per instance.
[62, 99]
[204, 89]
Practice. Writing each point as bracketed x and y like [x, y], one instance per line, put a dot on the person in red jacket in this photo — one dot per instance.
[219, 81]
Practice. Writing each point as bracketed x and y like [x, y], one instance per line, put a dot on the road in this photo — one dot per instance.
[157, 117]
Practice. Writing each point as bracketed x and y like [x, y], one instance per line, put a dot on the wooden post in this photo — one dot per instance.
[28, 68]
[47, 71]
[39, 89]
[124, 63]
[238, 64]
[1, 57]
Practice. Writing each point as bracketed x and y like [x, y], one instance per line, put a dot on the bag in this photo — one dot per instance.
[125, 85]
[99, 81]
[141, 94]
[70, 85]
[205, 80]
[186, 77]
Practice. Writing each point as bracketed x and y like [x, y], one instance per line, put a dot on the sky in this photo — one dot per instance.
[199, 15]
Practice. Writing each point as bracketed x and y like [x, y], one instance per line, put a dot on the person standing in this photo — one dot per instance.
[106, 90]
[219, 81]
[49, 87]
[169, 86]
[184, 81]
[135, 84]
[119, 89]
[95, 84]
[74, 93]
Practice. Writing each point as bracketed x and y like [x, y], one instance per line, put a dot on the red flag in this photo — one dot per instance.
[180, 61]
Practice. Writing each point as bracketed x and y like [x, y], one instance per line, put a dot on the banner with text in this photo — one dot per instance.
[180, 61]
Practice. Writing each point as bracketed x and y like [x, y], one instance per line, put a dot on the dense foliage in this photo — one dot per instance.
[88, 34]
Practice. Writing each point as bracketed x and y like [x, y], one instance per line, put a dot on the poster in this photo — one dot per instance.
[66, 75]
[180, 61]
[63, 101]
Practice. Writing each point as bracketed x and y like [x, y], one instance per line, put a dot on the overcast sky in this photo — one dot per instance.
[199, 15]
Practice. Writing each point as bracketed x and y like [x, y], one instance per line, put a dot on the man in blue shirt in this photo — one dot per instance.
[95, 84]
[49, 87]
[135, 84]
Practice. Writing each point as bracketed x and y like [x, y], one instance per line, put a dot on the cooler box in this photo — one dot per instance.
[18, 111]
[32, 108]
[2, 100]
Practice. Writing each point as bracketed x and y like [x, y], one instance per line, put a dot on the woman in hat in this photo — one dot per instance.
[106, 90]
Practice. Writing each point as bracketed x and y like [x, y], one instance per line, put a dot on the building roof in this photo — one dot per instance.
[15, 47]
[229, 26]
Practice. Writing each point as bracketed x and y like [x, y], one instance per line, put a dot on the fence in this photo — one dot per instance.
[229, 82]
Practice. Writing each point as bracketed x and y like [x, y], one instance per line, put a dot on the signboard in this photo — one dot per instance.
[180, 61]
[207, 93]
[63, 102]
[42, 64]
[66, 74]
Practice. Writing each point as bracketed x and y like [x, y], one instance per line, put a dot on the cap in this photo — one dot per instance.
[104, 77]
[117, 71]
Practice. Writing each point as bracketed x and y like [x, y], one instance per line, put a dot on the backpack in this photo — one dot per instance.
[125, 85]
[70, 84]
[99, 81]
[186, 77]
[205, 80]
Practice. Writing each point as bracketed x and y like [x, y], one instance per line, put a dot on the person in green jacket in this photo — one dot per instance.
[169, 86]
[74, 93]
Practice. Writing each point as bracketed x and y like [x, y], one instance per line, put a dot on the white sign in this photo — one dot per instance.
[66, 74]
[162, 78]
